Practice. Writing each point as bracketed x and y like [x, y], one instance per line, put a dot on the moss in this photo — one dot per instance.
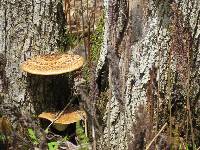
[96, 44]
[97, 40]
[68, 41]
[86, 73]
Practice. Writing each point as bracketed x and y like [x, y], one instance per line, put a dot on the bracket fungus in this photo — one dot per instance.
[65, 119]
[52, 64]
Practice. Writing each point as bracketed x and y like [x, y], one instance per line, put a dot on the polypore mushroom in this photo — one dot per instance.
[52, 64]
[65, 119]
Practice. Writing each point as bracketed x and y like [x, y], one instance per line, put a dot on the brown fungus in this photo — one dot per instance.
[52, 64]
[65, 119]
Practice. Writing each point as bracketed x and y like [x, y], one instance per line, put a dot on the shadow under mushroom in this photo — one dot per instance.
[50, 93]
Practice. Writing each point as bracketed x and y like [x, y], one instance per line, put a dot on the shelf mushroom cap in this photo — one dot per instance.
[52, 64]
[66, 118]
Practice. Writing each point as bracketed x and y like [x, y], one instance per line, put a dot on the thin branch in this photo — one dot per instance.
[109, 105]
[163, 127]
[83, 26]
[188, 96]
[69, 6]
[60, 114]
[169, 88]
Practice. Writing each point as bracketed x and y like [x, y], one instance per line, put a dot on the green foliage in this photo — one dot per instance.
[82, 138]
[97, 40]
[53, 145]
[187, 148]
[66, 138]
[2, 138]
[180, 147]
[33, 137]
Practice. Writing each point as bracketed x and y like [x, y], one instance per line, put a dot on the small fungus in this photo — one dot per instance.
[65, 119]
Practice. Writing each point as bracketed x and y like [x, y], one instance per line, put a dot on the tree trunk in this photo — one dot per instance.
[153, 55]
[138, 41]
[27, 28]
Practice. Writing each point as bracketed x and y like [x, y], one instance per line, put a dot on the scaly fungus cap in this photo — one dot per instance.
[52, 64]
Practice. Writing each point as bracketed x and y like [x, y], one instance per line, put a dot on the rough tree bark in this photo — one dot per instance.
[137, 39]
[137, 44]
[27, 28]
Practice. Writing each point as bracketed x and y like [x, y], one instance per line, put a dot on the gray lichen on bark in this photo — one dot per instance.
[148, 39]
